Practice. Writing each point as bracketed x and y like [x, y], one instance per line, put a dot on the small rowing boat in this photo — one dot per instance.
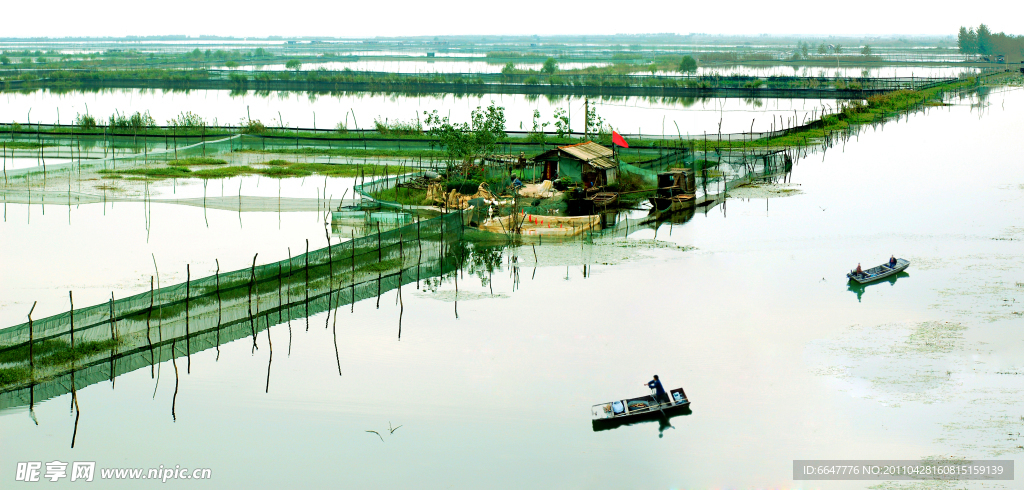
[880, 272]
[604, 199]
[619, 412]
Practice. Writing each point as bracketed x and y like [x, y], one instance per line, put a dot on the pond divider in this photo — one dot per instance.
[124, 334]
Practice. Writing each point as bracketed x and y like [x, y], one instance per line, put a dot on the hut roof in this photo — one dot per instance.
[589, 152]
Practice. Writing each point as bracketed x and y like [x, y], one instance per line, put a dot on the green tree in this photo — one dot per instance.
[839, 48]
[984, 40]
[805, 48]
[561, 123]
[866, 50]
[550, 66]
[293, 65]
[822, 48]
[461, 141]
[508, 69]
[688, 64]
[5, 60]
[537, 131]
[967, 41]
[231, 64]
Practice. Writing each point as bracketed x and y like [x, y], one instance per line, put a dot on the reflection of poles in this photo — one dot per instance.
[188, 341]
[113, 338]
[352, 240]
[401, 304]
[307, 284]
[217, 275]
[252, 280]
[270, 359]
[149, 340]
[174, 399]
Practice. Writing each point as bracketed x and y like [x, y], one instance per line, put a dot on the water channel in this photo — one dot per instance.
[745, 305]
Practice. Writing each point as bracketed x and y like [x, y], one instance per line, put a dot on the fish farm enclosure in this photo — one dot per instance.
[422, 261]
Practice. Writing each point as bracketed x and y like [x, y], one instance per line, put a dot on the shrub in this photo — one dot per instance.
[85, 121]
[253, 126]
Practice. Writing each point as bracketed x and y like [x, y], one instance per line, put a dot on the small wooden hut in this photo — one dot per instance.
[588, 162]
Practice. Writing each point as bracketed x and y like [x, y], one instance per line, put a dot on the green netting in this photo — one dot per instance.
[289, 289]
[212, 323]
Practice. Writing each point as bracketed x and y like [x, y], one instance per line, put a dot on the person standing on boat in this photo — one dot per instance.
[892, 262]
[659, 391]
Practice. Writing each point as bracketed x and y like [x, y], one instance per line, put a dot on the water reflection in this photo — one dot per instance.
[859, 288]
[664, 420]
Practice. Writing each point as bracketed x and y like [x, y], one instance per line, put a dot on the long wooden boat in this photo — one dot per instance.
[674, 203]
[880, 272]
[630, 410]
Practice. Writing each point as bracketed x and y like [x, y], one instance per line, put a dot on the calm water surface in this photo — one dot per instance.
[647, 115]
[780, 359]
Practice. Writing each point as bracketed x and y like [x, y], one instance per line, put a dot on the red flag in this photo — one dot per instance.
[619, 140]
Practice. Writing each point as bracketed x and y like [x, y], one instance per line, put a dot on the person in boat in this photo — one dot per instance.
[858, 271]
[892, 262]
[659, 391]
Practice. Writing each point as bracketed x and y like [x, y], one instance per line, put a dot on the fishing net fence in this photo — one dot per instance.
[343, 273]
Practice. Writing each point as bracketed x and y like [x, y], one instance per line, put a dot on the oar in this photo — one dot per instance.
[654, 394]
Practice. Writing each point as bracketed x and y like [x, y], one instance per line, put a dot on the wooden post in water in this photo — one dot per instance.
[112, 334]
[113, 337]
[217, 275]
[149, 318]
[31, 338]
[330, 263]
[252, 279]
[379, 252]
[72, 300]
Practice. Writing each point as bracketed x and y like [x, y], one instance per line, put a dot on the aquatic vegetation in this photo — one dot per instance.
[49, 353]
[196, 161]
[220, 169]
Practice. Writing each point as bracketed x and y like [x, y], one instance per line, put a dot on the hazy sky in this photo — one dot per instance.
[58, 18]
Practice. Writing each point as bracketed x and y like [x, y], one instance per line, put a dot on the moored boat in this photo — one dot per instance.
[674, 203]
[879, 272]
[604, 199]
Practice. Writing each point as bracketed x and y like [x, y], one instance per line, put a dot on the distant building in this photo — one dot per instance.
[587, 162]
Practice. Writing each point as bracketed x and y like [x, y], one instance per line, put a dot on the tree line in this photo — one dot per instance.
[984, 42]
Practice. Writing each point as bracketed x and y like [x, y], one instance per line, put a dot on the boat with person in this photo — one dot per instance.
[618, 412]
[880, 272]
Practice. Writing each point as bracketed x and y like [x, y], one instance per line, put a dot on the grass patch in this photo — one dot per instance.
[22, 145]
[357, 152]
[383, 266]
[81, 351]
[224, 172]
[196, 161]
[412, 197]
[154, 173]
[49, 353]
[9, 376]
